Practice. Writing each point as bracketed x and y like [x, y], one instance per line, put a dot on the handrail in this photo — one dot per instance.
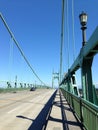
[86, 112]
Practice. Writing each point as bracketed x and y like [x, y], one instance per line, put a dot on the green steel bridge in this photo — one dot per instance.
[85, 105]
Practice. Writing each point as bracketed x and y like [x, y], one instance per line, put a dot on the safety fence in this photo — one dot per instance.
[86, 111]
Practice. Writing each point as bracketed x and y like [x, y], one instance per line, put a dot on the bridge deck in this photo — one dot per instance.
[62, 117]
[43, 109]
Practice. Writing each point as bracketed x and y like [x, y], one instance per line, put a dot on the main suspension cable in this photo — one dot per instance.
[12, 36]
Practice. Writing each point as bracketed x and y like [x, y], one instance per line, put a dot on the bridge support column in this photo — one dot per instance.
[69, 81]
[87, 83]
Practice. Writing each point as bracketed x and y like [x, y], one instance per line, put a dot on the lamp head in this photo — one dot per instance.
[83, 18]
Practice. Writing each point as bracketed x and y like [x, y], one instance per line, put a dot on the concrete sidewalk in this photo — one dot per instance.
[61, 116]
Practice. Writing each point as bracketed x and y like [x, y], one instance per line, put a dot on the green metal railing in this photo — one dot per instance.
[85, 107]
[85, 111]
[84, 61]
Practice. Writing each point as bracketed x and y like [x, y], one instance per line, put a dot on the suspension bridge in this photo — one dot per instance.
[47, 108]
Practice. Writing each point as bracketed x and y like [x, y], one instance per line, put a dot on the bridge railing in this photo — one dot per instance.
[86, 112]
[84, 61]
[85, 107]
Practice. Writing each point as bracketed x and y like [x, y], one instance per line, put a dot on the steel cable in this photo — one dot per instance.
[73, 33]
[12, 36]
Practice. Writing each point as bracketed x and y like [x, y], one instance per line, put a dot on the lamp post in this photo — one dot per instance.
[86, 65]
[83, 22]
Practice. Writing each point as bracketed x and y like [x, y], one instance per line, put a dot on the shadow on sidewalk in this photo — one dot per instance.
[63, 108]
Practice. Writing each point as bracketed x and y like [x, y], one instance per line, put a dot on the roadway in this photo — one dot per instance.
[43, 109]
[19, 110]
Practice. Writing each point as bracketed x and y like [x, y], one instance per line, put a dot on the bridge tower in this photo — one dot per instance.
[55, 76]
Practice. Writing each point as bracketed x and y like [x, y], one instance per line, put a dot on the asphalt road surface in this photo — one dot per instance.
[19, 110]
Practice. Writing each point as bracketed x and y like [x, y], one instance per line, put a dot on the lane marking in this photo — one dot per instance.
[35, 98]
[13, 110]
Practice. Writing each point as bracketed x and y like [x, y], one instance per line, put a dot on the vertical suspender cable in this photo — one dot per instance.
[62, 39]
[73, 30]
[10, 59]
[67, 31]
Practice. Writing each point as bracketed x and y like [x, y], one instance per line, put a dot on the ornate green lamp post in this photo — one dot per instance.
[83, 22]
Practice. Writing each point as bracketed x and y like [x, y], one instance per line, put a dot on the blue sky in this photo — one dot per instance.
[36, 25]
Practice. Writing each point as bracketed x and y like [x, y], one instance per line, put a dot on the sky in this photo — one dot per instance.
[36, 25]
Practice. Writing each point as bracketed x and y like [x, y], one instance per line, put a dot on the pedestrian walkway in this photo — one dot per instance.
[62, 116]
